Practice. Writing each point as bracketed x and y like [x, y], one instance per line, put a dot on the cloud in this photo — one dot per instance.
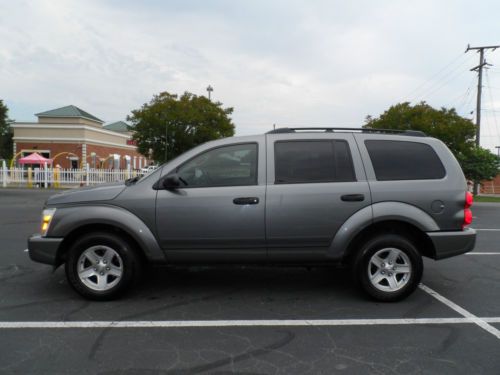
[285, 62]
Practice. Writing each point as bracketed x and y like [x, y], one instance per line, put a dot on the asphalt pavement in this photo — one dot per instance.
[247, 320]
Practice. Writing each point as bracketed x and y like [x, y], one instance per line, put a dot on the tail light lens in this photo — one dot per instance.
[467, 212]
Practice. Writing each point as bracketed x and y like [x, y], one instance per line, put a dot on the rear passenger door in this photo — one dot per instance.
[315, 183]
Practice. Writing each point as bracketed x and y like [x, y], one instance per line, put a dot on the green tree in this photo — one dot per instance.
[456, 132]
[479, 164]
[188, 120]
[5, 133]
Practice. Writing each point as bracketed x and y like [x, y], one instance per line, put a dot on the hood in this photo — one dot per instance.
[103, 192]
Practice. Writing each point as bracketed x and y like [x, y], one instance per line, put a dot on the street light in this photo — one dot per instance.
[498, 150]
[209, 89]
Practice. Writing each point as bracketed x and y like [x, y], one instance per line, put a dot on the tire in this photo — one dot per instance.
[388, 267]
[101, 266]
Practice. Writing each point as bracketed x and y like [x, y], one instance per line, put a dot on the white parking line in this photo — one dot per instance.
[479, 321]
[487, 230]
[483, 253]
[244, 323]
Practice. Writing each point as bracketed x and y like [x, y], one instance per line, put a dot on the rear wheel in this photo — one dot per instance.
[101, 266]
[388, 267]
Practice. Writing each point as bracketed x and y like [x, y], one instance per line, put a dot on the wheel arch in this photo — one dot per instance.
[384, 217]
[72, 222]
[420, 239]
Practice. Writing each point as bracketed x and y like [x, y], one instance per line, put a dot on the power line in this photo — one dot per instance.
[455, 59]
[443, 81]
[492, 103]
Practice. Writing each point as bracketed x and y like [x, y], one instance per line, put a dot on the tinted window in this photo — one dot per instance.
[312, 161]
[224, 166]
[397, 160]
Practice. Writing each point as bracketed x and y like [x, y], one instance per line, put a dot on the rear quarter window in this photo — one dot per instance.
[402, 160]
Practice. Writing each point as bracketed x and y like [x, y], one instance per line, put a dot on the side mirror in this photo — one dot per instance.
[171, 182]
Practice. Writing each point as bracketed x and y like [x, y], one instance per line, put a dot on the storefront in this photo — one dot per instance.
[74, 138]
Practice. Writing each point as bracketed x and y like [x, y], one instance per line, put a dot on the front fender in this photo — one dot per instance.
[68, 219]
[377, 213]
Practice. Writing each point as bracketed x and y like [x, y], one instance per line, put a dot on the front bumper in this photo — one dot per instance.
[448, 244]
[43, 249]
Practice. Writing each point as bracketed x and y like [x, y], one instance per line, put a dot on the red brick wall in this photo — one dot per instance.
[491, 187]
[64, 162]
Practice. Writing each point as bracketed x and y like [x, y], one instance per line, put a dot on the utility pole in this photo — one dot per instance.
[209, 90]
[479, 69]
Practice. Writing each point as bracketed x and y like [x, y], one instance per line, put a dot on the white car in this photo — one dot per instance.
[148, 169]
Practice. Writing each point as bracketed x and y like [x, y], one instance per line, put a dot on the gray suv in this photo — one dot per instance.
[374, 200]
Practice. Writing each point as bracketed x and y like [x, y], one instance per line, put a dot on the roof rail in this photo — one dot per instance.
[415, 133]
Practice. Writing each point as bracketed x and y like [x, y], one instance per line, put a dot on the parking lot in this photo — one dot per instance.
[247, 320]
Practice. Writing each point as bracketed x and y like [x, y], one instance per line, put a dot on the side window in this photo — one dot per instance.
[234, 165]
[400, 160]
[312, 161]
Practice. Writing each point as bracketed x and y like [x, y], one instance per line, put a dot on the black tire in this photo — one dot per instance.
[122, 259]
[372, 264]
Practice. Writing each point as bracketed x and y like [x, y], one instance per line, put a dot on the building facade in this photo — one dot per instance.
[74, 139]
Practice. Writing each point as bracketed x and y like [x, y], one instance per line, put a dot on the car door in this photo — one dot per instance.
[315, 183]
[217, 214]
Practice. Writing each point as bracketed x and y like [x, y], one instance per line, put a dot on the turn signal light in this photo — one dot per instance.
[47, 216]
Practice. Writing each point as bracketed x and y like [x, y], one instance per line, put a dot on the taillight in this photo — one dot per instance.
[469, 199]
[467, 212]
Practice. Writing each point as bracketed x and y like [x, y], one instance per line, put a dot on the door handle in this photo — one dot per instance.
[353, 197]
[246, 200]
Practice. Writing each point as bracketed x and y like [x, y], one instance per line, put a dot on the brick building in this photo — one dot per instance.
[76, 138]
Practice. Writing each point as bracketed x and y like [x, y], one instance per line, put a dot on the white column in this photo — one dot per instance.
[84, 155]
[135, 162]
[4, 174]
[45, 176]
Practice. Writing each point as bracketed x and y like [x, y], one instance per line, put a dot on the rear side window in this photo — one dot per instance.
[399, 160]
[312, 161]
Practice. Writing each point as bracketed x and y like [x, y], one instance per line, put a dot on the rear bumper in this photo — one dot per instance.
[43, 249]
[448, 244]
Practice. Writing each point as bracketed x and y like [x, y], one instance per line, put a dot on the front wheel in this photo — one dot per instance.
[388, 267]
[101, 266]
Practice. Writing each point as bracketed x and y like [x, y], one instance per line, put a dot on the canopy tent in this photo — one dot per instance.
[35, 158]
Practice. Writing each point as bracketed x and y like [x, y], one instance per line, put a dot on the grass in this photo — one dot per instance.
[485, 198]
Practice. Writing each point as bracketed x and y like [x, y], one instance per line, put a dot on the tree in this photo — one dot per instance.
[5, 133]
[445, 124]
[187, 121]
[479, 164]
[457, 132]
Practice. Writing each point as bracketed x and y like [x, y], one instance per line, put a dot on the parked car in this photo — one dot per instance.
[148, 169]
[377, 201]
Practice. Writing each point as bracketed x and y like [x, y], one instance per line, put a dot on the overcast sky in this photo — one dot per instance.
[308, 63]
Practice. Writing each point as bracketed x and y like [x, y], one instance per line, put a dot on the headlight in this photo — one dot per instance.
[47, 216]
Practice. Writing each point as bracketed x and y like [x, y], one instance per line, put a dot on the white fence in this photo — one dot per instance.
[58, 177]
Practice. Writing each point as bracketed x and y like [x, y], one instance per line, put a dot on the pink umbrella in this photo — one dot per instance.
[35, 158]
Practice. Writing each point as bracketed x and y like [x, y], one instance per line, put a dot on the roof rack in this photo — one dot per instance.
[414, 133]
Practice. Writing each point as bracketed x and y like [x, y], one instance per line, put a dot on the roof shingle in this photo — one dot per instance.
[68, 111]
